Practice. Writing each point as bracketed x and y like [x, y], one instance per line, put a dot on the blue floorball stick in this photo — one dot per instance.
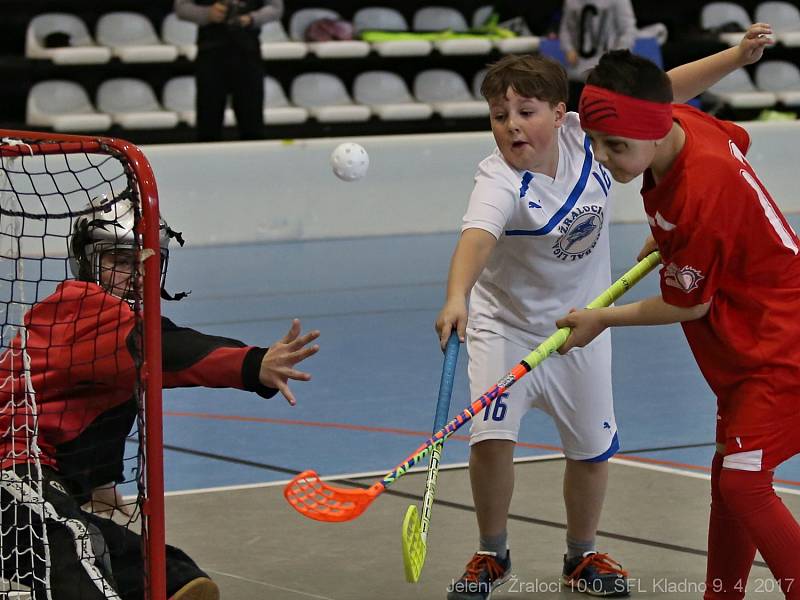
[415, 530]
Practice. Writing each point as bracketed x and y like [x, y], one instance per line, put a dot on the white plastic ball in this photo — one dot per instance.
[349, 161]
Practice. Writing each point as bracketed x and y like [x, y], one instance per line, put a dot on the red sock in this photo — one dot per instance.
[772, 528]
[730, 550]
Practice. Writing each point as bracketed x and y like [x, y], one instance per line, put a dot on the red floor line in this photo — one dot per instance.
[346, 426]
[422, 434]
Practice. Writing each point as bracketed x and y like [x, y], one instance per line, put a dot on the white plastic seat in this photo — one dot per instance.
[388, 97]
[277, 109]
[447, 92]
[516, 45]
[132, 104]
[477, 82]
[181, 34]
[81, 50]
[388, 19]
[441, 18]
[179, 96]
[781, 78]
[63, 106]
[715, 14]
[336, 49]
[326, 98]
[737, 90]
[132, 38]
[276, 45]
[785, 20]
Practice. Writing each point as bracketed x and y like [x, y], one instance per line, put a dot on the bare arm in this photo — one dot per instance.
[469, 258]
[588, 324]
[695, 77]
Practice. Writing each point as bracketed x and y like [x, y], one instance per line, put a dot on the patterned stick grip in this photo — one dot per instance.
[541, 352]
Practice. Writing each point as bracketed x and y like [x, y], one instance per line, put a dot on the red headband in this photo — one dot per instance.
[616, 114]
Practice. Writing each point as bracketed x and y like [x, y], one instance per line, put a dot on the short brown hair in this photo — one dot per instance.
[531, 76]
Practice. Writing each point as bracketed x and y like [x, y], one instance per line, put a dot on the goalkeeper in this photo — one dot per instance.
[84, 342]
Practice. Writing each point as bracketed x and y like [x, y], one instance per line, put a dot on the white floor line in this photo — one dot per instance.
[693, 474]
[269, 585]
[364, 475]
[462, 465]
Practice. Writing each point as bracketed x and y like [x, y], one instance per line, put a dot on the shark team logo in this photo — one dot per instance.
[685, 279]
[579, 233]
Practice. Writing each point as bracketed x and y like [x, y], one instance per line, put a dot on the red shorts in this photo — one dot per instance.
[762, 451]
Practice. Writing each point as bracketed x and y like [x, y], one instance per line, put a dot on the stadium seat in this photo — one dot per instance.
[737, 91]
[477, 82]
[443, 18]
[388, 19]
[326, 99]
[447, 92]
[277, 110]
[781, 78]
[716, 14]
[301, 20]
[63, 106]
[515, 45]
[80, 50]
[481, 15]
[132, 38]
[181, 34]
[178, 96]
[276, 45]
[132, 104]
[388, 97]
[785, 20]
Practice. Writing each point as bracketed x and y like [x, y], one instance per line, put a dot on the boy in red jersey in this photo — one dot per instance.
[68, 401]
[731, 277]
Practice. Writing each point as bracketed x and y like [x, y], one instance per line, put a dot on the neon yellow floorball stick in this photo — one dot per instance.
[317, 499]
[415, 530]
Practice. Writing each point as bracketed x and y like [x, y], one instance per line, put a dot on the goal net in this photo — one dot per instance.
[81, 489]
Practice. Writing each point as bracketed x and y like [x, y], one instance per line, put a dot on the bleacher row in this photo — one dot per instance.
[132, 38]
[133, 104]
[67, 102]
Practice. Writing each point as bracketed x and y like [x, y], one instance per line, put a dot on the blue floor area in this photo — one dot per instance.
[375, 301]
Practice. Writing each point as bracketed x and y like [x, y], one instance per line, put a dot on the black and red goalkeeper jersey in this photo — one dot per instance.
[82, 343]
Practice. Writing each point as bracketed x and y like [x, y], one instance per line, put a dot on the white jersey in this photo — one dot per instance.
[552, 249]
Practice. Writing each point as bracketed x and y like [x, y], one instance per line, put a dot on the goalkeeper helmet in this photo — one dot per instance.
[107, 225]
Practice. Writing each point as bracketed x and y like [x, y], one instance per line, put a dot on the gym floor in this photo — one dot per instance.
[371, 402]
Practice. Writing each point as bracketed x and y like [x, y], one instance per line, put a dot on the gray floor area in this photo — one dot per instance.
[255, 546]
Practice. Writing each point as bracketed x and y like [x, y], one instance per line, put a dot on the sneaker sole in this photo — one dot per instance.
[568, 582]
[201, 588]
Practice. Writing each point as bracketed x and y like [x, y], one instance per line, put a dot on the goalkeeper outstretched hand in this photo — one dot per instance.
[278, 365]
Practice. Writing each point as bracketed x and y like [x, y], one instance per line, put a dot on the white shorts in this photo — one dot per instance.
[574, 389]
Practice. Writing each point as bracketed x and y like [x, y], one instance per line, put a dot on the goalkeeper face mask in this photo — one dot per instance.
[105, 248]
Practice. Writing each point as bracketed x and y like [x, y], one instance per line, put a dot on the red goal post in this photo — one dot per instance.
[92, 158]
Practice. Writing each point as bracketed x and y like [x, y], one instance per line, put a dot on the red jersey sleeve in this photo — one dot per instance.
[738, 134]
[191, 358]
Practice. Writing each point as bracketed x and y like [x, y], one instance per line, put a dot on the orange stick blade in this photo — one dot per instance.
[315, 499]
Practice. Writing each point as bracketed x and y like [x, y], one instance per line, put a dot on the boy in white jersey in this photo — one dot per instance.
[534, 243]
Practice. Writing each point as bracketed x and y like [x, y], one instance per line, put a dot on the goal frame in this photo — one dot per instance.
[135, 162]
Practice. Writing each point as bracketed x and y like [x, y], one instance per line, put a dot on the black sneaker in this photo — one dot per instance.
[485, 573]
[596, 574]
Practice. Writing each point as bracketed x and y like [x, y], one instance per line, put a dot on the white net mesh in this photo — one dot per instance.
[54, 447]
